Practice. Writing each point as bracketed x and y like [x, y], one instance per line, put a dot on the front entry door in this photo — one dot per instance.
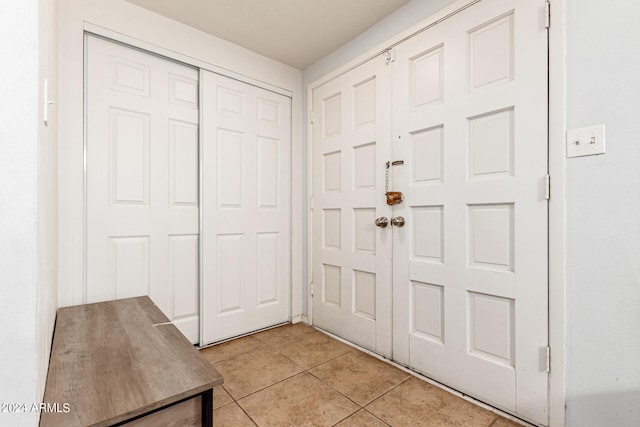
[470, 265]
[352, 257]
[468, 138]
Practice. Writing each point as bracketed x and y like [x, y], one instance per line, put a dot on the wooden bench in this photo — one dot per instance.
[123, 363]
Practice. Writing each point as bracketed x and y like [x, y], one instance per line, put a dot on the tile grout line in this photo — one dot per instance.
[247, 414]
[361, 407]
[308, 371]
[314, 366]
[499, 413]
[273, 347]
[385, 393]
[276, 345]
[366, 404]
[237, 337]
[253, 335]
[376, 417]
[266, 387]
[304, 370]
[337, 391]
[226, 342]
[233, 400]
[269, 347]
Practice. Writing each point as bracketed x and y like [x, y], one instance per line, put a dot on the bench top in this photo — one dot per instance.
[115, 360]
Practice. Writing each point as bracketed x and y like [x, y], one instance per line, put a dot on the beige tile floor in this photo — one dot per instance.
[294, 375]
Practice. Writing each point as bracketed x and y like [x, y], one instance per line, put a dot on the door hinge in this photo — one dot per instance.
[547, 14]
[547, 187]
[389, 56]
[311, 289]
[312, 117]
[311, 203]
[548, 361]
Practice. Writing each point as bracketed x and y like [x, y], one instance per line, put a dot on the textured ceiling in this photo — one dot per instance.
[295, 32]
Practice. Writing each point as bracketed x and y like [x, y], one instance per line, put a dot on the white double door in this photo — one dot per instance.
[459, 292]
[187, 192]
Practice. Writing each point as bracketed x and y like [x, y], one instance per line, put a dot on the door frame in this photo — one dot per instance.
[76, 208]
[556, 167]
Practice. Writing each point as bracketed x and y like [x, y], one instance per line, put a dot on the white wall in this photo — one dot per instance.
[47, 206]
[408, 15]
[27, 206]
[132, 21]
[18, 203]
[603, 216]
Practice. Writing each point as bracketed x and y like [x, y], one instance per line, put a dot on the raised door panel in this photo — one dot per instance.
[268, 172]
[267, 254]
[128, 157]
[427, 311]
[183, 164]
[230, 168]
[230, 277]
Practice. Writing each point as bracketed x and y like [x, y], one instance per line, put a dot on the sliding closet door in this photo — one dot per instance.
[246, 205]
[142, 180]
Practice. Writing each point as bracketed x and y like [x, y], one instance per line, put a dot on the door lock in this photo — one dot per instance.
[398, 221]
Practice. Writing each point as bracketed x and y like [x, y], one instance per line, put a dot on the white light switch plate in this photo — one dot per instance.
[585, 141]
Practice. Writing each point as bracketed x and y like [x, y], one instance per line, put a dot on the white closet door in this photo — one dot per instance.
[142, 181]
[246, 205]
[470, 265]
[352, 257]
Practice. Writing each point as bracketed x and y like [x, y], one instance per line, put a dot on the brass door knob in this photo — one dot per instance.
[382, 222]
[398, 221]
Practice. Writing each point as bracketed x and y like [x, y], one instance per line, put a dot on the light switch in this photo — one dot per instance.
[585, 141]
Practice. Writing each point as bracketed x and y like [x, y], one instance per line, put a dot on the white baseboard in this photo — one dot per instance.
[300, 318]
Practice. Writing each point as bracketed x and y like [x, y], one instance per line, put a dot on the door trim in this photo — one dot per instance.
[557, 203]
[557, 208]
[148, 47]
